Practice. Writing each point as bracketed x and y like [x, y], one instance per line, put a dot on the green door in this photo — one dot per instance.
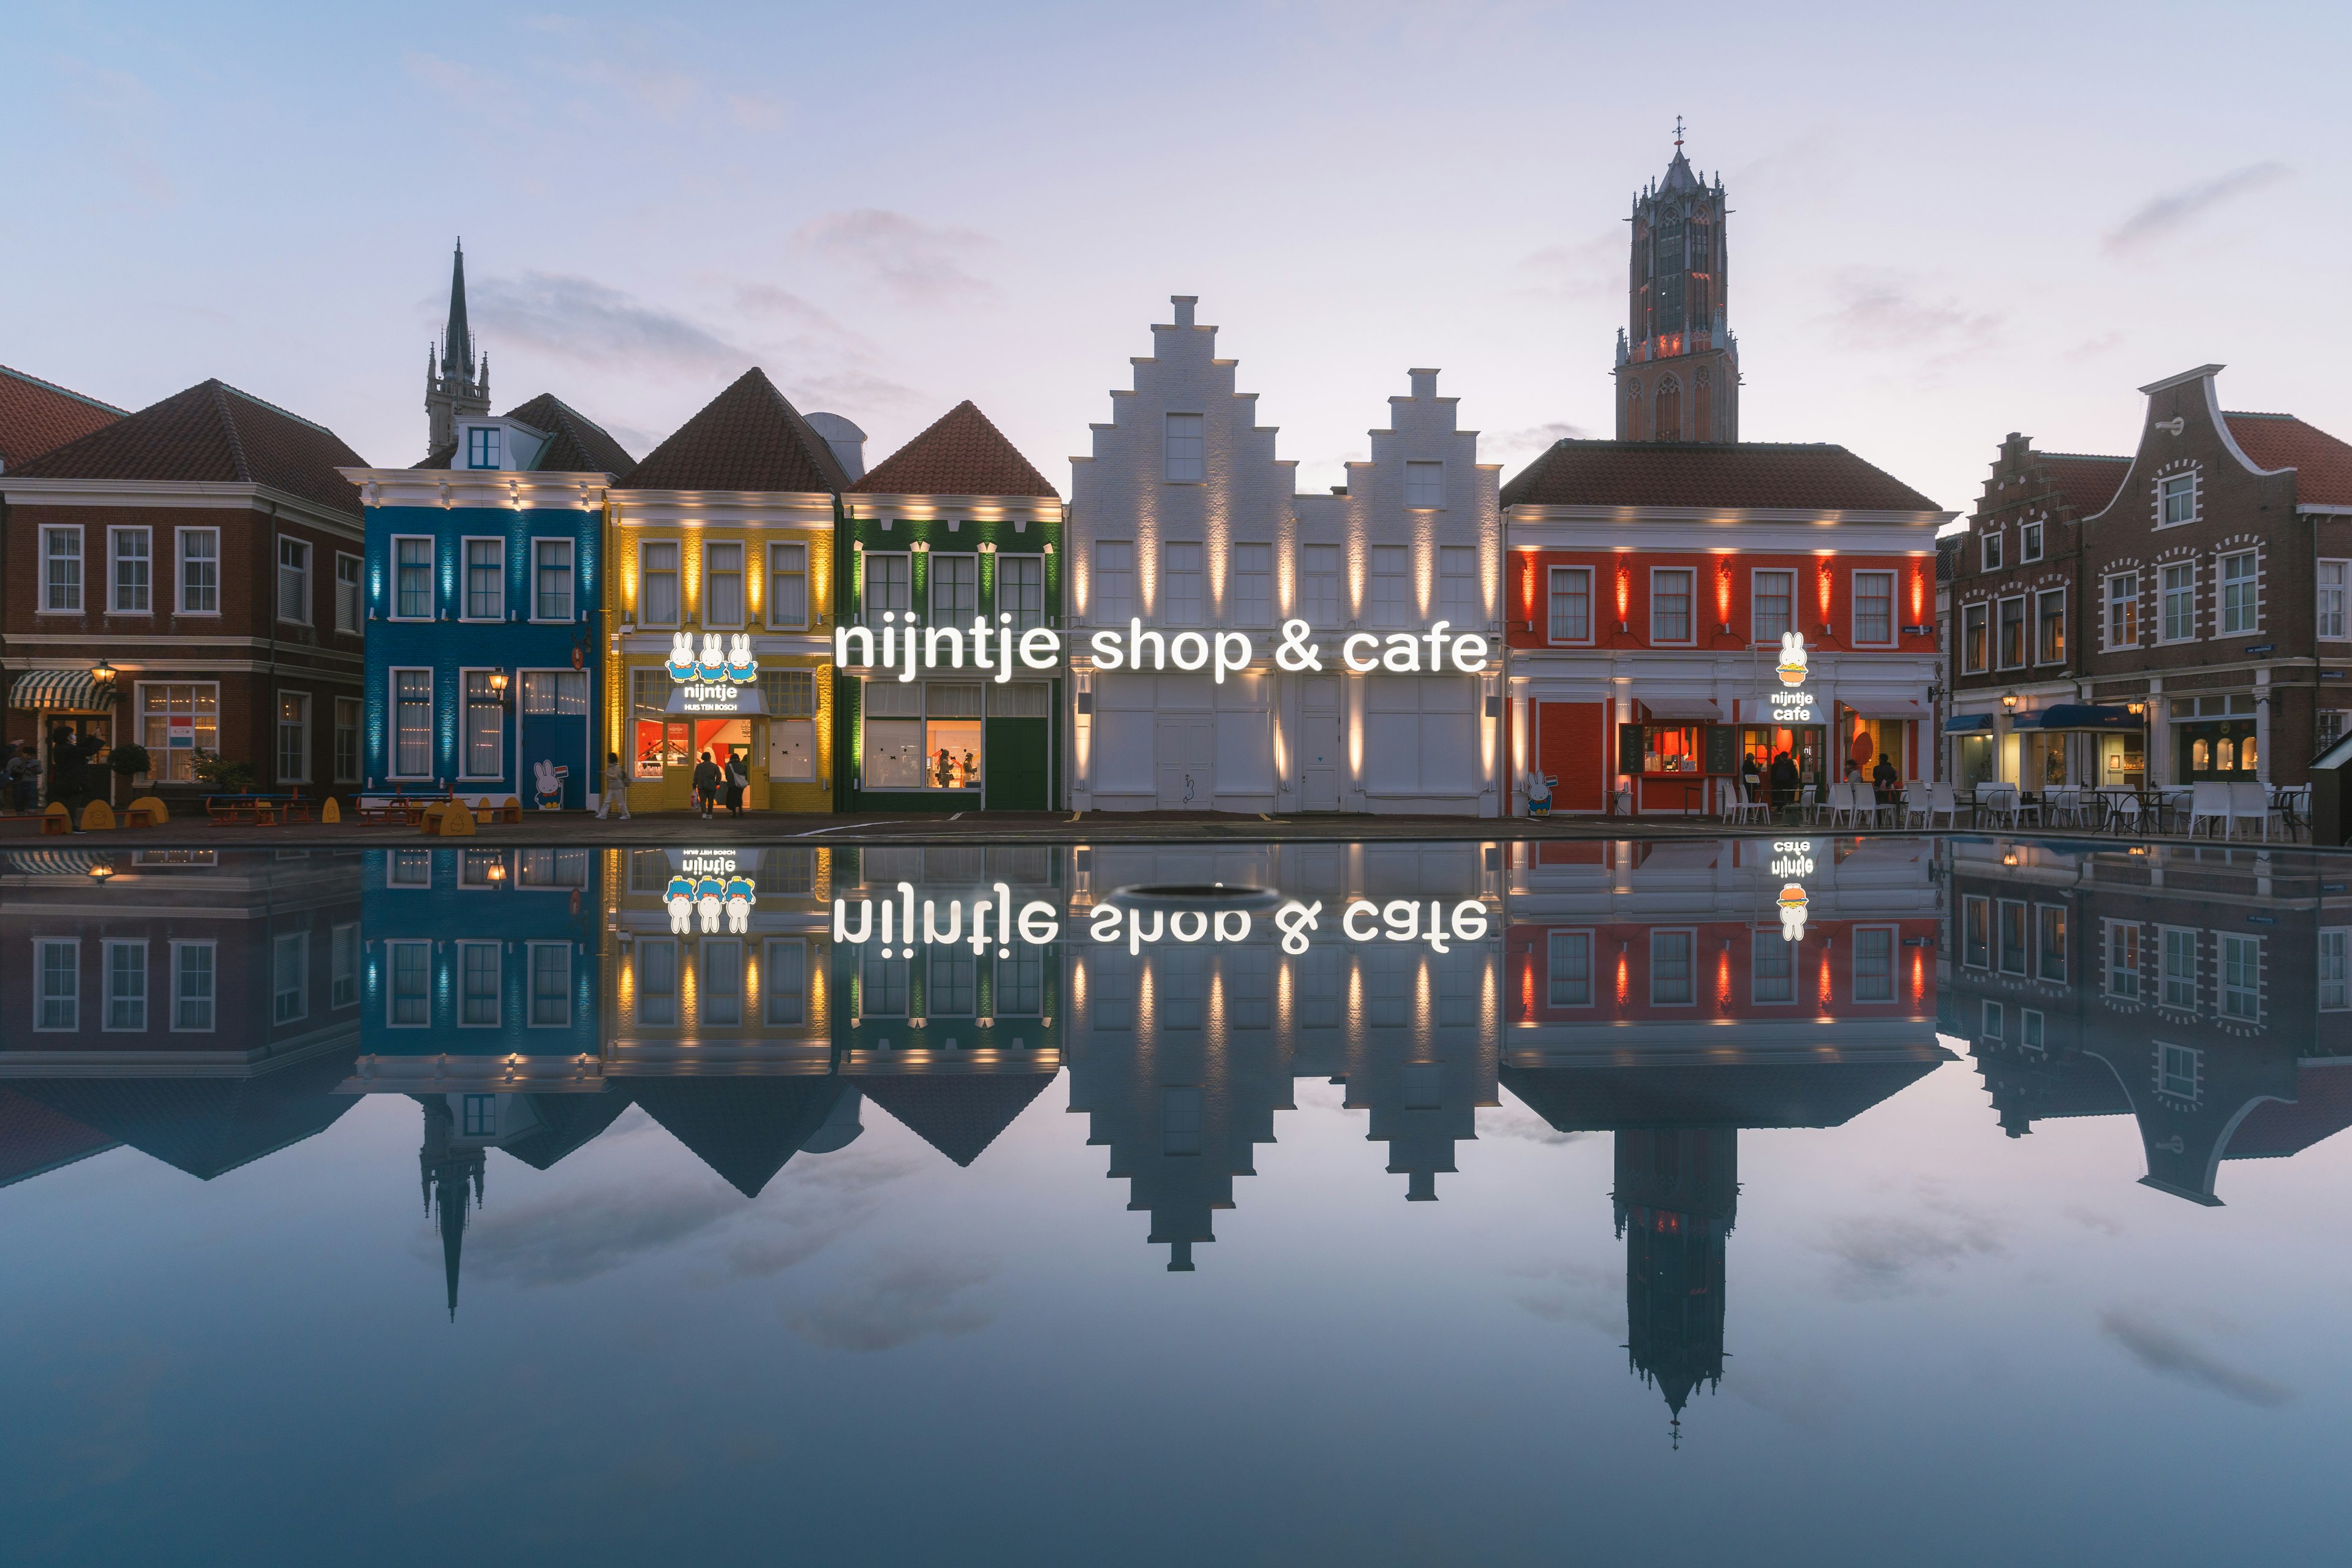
[1019, 752]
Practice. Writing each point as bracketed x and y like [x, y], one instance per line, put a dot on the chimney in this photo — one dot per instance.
[1184, 303]
[1425, 383]
[846, 441]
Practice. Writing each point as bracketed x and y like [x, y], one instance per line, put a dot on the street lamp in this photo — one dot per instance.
[101, 872]
[102, 671]
[499, 683]
[2009, 700]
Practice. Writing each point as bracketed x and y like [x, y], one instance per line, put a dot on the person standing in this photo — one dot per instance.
[1884, 778]
[27, 778]
[705, 784]
[1751, 777]
[1784, 782]
[616, 788]
[739, 779]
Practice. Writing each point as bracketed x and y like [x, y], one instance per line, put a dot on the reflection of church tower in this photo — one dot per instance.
[1677, 1197]
[1677, 364]
[445, 1171]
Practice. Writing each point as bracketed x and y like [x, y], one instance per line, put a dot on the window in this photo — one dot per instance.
[551, 984]
[343, 966]
[951, 987]
[1424, 484]
[1772, 967]
[1114, 585]
[192, 985]
[1670, 605]
[657, 982]
[1180, 1121]
[955, 589]
[555, 691]
[2031, 1033]
[1874, 964]
[1670, 968]
[481, 447]
[1021, 590]
[2178, 980]
[61, 569]
[552, 585]
[408, 1000]
[1113, 1002]
[1989, 549]
[347, 613]
[2332, 585]
[1571, 603]
[486, 727]
[2123, 962]
[481, 868]
[2123, 610]
[347, 740]
[2180, 602]
[1391, 603]
[2177, 499]
[1995, 1021]
[2176, 1070]
[1976, 932]
[1021, 984]
[126, 985]
[2242, 976]
[881, 985]
[1874, 609]
[1319, 584]
[2012, 938]
[486, 580]
[1182, 984]
[789, 693]
[784, 983]
[553, 868]
[1253, 601]
[2050, 947]
[479, 985]
[1457, 586]
[2238, 611]
[1569, 969]
[2012, 633]
[1180, 590]
[412, 574]
[1187, 454]
[289, 977]
[2050, 627]
[293, 737]
[408, 869]
[2029, 542]
[293, 580]
[1772, 608]
[2332, 721]
[2335, 975]
[130, 564]
[788, 600]
[199, 571]
[412, 723]
[722, 582]
[177, 722]
[889, 585]
[1973, 638]
[921, 735]
[657, 599]
[480, 1115]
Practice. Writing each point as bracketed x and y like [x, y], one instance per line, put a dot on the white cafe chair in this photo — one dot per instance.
[1918, 805]
[2251, 802]
[2208, 802]
[1943, 802]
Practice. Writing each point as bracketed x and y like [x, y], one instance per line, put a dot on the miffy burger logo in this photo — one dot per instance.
[1791, 668]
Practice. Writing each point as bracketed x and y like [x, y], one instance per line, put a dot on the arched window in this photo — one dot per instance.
[1670, 410]
[1703, 407]
[1632, 410]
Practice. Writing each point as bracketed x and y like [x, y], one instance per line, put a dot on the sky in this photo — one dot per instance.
[1946, 223]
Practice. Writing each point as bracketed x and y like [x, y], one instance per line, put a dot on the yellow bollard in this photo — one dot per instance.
[57, 818]
[157, 812]
[330, 811]
[98, 818]
[456, 822]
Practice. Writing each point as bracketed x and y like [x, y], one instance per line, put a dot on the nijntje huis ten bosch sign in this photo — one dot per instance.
[904, 646]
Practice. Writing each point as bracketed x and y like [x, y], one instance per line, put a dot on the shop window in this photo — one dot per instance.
[1181, 599]
[1670, 605]
[1319, 584]
[1020, 589]
[787, 601]
[1874, 609]
[176, 721]
[2123, 610]
[658, 595]
[199, 571]
[1772, 606]
[1114, 584]
[2012, 633]
[1974, 639]
[486, 580]
[2239, 611]
[2050, 627]
[921, 735]
[660, 742]
[1671, 748]
[1571, 603]
[1252, 586]
[722, 582]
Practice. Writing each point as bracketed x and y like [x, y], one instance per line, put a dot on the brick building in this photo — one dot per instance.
[188, 577]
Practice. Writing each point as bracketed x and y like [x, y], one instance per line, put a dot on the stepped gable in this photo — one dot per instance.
[38, 416]
[2085, 483]
[2322, 464]
[212, 434]
[960, 1114]
[207, 1126]
[1812, 477]
[963, 454]
[743, 1127]
[35, 1139]
[578, 445]
[1824, 1093]
[749, 438]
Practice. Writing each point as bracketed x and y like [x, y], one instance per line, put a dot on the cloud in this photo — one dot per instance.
[919, 262]
[2166, 1352]
[1504, 446]
[1510, 1122]
[2162, 217]
[1575, 1293]
[1586, 270]
[1876, 308]
[1879, 1256]
[901, 1301]
[588, 1231]
[581, 319]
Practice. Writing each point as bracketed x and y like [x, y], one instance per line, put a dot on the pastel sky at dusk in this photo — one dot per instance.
[1947, 223]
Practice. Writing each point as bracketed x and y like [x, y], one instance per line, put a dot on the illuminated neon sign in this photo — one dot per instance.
[715, 679]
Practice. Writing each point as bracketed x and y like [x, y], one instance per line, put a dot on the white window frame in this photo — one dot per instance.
[2029, 542]
[348, 767]
[1250, 588]
[1458, 598]
[2024, 603]
[2111, 602]
[2026, 933]
[2165, 1075]
[484, 441]
[2228, 997]
[2108, 969]
[960, 615]
[466, 569]
[2165, 936]
[869, 613]
[278, 728]
[1196, 607]
[1853, 609]
[531, 1019]
[2163, 593]
[772, 992]
[1552, 940]
[431, 571]
[2165, 492]
[2333, 969]
[1551, 624]
[392, 948]
[397, 859]
[1756, 632]
[209, 1001]
[2249, 605]
[779, 569]
[2034, 626]
[459, 952]
[351, 612]
[1104, 609]
[1311, 581]
[743, 575]
[1014, 564]
[51, 590]
[115, 561]
[1690, 607]
[181, 560]
[1690, 935]
[301, 990]
[570, 548]
[392, 702]
[1894, 935]
[1989, 550]
[2332, 606]
[676, 573]
[1978, 666]
[465, 707]
[1432, 491]
[343, 961]
[278, 582]
[107, 998]
[1397, 613]
[1183, 449]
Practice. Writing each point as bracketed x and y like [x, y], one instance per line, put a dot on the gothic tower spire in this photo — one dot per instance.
[1677, 367]
[461, 384]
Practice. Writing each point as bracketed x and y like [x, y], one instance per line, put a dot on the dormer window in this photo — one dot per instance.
[2029, 542]
[481, 447]
[1989, 549]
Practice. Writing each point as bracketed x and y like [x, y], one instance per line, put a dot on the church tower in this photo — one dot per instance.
[454, 388]
[1677, 364]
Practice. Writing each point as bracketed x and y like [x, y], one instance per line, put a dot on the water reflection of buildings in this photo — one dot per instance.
[2201, 991]
[1673, 993]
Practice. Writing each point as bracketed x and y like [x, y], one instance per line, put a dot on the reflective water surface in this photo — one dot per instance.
[1810, 1200]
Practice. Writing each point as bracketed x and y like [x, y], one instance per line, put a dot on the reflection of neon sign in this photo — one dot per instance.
[1399, 920]
[1036, 925]
[1792, 902]
[709, 884]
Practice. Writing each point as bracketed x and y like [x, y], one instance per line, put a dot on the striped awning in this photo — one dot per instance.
[64, 691]
[57, 862]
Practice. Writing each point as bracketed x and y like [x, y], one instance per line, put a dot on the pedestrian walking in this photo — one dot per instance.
[705, 784]
[616, 788]
[739, 779]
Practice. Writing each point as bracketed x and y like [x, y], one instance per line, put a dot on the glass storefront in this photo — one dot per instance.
[2213, 737]
[1671, 749]
[1802, 742]
[922, 735]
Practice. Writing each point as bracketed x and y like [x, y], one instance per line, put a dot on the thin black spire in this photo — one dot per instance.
[457, 339]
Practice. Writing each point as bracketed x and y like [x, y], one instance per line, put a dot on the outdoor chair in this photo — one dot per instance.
[2251, 802]
[2208, 802]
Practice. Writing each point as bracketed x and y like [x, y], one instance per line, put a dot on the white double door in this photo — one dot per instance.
[1184, 742]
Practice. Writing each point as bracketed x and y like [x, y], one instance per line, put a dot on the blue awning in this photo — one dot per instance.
[2082, 716]
[1969, 724]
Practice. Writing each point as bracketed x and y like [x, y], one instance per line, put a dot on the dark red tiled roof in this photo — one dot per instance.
[962, 455]
[1750, 474]
[2323, 464]
[958, 1114]
[2084, 482]
[580, 445]
[2322, 1108]
[212, 434]
[37, 415]
[749, 438]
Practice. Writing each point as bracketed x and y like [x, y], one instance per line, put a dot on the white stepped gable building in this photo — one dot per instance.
[1183, 520]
